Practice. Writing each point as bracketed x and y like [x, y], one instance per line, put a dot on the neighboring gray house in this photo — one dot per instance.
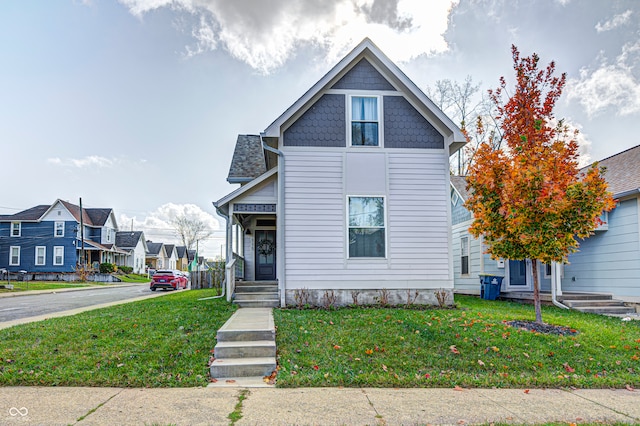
[171, 257]
[607, 262]
[135, 244]
[347, 192]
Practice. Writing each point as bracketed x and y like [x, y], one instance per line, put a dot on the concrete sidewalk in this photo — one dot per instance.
[312, 406]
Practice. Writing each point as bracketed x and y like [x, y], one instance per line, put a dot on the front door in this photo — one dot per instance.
[265, 255]
[518, 275]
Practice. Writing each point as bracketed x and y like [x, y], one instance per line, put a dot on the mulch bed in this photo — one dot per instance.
[543, 328]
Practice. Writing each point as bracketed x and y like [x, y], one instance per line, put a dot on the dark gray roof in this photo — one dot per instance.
[168, 248]
[182, 251]
[154, 248]
[460, 184]
[623, 171]
[128, 239]
[248, 160]
[34, 213]
[191, 254]
[98, 216]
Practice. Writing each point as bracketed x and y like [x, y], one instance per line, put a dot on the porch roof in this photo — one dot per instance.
[223, 203]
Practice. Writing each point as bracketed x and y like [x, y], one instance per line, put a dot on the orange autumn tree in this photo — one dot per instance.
[529, 200]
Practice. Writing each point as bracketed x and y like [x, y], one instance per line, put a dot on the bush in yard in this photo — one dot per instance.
[107, 268]
[126, 269]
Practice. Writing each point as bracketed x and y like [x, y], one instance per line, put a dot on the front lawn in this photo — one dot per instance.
[468, 347]
[159, 342]
[41, 285]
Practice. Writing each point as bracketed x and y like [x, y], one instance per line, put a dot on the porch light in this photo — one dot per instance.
[247, 232]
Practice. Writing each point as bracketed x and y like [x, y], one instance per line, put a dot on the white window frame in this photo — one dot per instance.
[462, 255]
[11, 262]
[44, 256]
[547, 273]
[19, 229]
[350, 120]
[55, 255]
[384, 226]
[55, 229]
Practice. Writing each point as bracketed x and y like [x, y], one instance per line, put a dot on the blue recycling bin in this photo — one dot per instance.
[490, 286]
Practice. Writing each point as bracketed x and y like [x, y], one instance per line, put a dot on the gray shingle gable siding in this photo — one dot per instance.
[321, 125]
[363, 76]
[405, 127]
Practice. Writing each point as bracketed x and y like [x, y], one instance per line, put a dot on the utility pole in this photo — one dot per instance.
[81, 237]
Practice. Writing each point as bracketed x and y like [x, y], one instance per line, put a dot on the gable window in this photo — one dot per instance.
[16, 229]
[366, 227]
[14, 256]
[455, 198]
[464, 255]
[41, 252]
[59, 229]
[364, 121]
[58, 255]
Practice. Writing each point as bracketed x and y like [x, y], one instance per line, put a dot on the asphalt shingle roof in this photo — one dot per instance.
[34, 213]
[623, 170]
[460, 184]
[248, 159]
[128, 239]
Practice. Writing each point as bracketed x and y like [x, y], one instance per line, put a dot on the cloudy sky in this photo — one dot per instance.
[136, 104]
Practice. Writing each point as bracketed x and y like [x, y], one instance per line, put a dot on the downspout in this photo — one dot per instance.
[279, 222]
[226, 260]
[555, 280]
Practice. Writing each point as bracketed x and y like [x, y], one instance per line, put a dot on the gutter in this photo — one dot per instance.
[279, 221]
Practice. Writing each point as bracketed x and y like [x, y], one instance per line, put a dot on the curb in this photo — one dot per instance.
[65, 290]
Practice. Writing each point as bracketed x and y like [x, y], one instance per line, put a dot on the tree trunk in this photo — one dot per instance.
[536, 291]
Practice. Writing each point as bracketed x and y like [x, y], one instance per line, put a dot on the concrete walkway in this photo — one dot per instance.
[313, 406]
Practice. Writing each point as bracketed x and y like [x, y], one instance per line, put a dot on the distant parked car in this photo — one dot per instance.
[168, 279]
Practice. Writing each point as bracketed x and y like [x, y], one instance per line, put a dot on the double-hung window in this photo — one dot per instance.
[41, 252]
[59, 229]
[365, 121]
[16, 229]
[464, 255]
[58, 255]
[14, 255]
[367, 236]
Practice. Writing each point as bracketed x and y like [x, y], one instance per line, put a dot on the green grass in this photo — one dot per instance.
[41, 285]
[134, 278]
[417, 348]
[159, 342]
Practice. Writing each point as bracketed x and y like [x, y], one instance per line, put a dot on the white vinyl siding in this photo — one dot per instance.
[478, 263]
[609, 261]
[416, 201]
[58, 255]
[41, 255]
[14, 255]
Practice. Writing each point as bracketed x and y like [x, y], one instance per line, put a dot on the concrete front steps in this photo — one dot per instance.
[246, 349]
[596, 303]
[604, 304]
[256, 294]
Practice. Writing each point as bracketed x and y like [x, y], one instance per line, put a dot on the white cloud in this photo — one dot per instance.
[611, 85]
[265, 34]
[157, 226]
[92, 162]
[617, 21]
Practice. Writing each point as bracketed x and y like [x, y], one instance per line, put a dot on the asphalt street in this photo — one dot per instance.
[26, 306]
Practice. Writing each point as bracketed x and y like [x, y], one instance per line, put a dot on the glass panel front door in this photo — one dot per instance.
[265, 255]
[518, 273]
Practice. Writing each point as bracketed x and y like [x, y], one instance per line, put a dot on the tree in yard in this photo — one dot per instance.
[529, 200]
[190, 230]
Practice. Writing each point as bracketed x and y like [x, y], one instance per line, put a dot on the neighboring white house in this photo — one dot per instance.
[170, 256]
[135, 244]
[347, 192]
[607, 262]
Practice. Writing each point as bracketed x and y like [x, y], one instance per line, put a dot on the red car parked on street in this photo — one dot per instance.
[169, 280]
